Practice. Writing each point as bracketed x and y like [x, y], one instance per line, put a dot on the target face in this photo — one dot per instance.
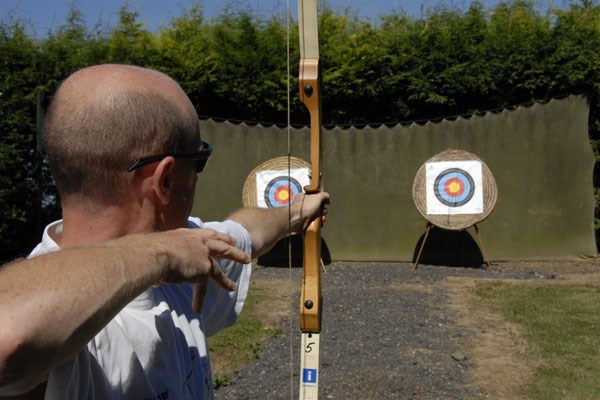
[281, 190]
[454, 187]
[274, 188]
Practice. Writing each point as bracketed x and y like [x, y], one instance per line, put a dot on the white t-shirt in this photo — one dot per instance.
[155, 347]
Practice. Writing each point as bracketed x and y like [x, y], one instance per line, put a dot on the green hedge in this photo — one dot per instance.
[397, 68]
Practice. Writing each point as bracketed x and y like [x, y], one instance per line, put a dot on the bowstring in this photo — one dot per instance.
[289, 167]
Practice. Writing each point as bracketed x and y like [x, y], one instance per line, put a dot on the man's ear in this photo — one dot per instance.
[162, 179]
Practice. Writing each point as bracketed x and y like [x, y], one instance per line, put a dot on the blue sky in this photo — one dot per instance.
[47, 14]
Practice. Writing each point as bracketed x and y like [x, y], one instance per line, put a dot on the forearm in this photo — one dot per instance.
[52, 305]
[266, 226]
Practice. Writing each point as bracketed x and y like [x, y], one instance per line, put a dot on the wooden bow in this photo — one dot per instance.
[310, 306]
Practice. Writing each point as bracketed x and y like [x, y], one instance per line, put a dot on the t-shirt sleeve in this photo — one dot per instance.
[221, 308]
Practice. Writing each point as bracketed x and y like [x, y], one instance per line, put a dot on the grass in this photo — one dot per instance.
[241, 343]
[562, 325]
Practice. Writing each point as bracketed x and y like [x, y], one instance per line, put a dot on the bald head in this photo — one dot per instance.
[101, 83]
[105, 117]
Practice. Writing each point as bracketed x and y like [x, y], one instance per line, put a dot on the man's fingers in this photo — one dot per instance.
[219, 245]
[214, 235]
[199, 294]
[220, 249]
[324, 215]
[200, 288]
[217, 275]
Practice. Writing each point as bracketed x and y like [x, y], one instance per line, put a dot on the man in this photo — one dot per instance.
[124, 148]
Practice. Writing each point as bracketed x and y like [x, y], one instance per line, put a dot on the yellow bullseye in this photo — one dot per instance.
[283, 196]
[454, 187]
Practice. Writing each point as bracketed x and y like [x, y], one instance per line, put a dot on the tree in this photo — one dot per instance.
[185, 52]
[18, 157]
[130, 42]
[251, 69]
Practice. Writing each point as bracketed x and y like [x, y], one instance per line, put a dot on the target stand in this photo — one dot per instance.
[454, 190]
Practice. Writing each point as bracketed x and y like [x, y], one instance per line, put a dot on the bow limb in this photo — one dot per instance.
[310, 95]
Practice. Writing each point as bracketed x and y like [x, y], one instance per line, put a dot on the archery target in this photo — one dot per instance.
[454, 187]
[274, 188]
[281, 191]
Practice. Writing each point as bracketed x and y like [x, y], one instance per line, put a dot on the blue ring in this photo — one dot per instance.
[454, 173]
[276, 183]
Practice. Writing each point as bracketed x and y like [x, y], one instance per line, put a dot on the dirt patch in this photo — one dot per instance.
[275, 307]
[500, 357]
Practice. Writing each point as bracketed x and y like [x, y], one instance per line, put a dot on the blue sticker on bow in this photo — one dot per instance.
[309, 375]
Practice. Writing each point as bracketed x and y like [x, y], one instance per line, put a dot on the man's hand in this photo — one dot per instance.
[307, 207]
[194, 254]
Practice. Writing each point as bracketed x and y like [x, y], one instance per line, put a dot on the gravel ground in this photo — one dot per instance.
[386, 334]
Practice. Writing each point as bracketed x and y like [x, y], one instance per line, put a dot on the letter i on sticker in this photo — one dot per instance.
[309, 375]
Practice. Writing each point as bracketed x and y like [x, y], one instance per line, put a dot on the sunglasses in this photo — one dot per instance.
[200, 157]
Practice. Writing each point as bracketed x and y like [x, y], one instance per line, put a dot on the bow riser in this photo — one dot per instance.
[310, 306]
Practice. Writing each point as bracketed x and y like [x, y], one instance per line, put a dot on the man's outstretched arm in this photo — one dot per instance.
[52, 305]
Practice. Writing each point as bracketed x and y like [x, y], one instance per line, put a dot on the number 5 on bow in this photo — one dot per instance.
[310, 307]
